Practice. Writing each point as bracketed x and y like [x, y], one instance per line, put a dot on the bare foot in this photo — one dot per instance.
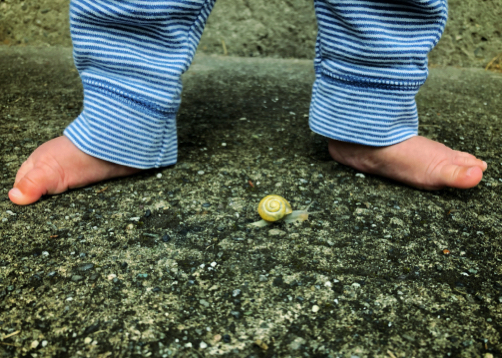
[418, 162]
[58, 165]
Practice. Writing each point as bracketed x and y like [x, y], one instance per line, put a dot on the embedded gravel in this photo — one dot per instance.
[164, 264]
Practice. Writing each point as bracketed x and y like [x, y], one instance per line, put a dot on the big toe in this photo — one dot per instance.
[31, 187]
[461, 177]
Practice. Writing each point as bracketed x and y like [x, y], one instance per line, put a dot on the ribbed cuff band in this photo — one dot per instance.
[380, 115]
[120, 131]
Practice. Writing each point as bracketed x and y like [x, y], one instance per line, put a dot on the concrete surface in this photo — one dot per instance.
[163, 263]
[274, 28]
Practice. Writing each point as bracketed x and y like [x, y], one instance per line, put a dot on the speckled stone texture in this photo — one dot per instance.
[273, 28]
[164, 263]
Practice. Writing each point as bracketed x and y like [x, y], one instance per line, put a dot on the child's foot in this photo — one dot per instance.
[58, 165]
[418, 162]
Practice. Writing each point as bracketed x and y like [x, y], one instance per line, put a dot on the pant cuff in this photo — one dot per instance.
[121, 131]
[369, 114]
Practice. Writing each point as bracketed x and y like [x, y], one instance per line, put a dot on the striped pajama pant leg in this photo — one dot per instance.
[371, 58]
[130, 55]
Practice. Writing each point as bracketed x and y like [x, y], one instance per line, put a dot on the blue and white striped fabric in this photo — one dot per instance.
[371, 58]
[130, 55]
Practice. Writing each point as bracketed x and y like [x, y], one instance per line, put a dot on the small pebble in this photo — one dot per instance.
[263, 278]
[356, 285]
[276, 232]
[315, 308]
[204, 303]
[86, 267]
[44, 343]
[111, 276]
[217, 338]
[236, 293]
[45, 253]
[34, 344]
[12, 213]
[213, 264]
[159, 175]
[87, 340]
[223, 144]
[203, 345]
[76, 278]
[328, 284]
[200, 172]
[360, 175]
[5, 220]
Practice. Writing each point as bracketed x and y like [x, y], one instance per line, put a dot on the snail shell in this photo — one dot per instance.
[273, 208]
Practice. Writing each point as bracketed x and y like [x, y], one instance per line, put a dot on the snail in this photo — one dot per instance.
[274, 208]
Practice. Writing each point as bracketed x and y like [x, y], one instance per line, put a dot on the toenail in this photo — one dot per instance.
[486, 165]
[469, 171]
[16, 192]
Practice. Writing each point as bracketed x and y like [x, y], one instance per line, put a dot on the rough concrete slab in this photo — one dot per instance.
[275, 28]
[163, 263]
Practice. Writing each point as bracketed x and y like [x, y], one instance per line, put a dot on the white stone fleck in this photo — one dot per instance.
[203, 345]
[159, 175]
[356, 285]
[111, 276]
[360, 175]
[87, 340]
[328, 284]
[44, 343]
[200, 172]
[45, 253]
[34, 344]
[11, 213]
[315, 308]
[213, 264]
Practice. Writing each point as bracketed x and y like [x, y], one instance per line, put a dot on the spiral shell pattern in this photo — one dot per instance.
[273, 208]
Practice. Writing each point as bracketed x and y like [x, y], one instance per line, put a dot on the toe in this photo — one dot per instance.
[469, 161]
[31, 187]
[460, 176]
[25, 168]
